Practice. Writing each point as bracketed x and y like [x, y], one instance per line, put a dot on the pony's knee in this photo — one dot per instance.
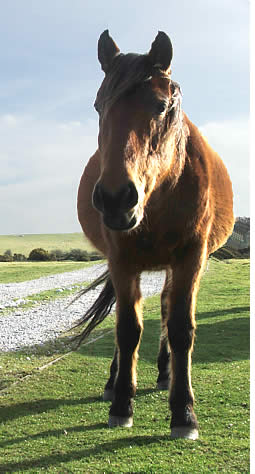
[128, 335]
[180, 337]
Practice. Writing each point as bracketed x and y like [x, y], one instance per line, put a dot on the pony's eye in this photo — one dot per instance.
[160, 107]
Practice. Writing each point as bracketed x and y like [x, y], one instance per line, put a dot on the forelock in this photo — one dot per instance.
[127, 71]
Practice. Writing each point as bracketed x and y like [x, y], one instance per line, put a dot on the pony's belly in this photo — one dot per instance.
[89, 218]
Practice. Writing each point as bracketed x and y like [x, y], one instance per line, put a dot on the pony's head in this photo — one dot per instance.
[140, 129]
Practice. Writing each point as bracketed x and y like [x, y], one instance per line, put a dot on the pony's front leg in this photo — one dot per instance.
[164, 352]
[128, 333]
[181, 333]
[108, 390]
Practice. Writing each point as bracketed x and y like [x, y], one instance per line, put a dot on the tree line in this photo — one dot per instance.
[42, 255]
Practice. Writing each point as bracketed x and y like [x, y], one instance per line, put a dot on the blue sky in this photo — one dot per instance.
[50, 76]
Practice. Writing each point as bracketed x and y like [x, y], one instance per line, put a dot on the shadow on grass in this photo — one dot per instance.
[219, 341]
[223, 312]
[224, 341]
[101, 449]
[45, 405]
[41, 406]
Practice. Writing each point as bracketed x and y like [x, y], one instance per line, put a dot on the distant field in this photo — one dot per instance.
[24, 243]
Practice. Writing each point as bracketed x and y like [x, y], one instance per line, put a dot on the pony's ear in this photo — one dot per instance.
[107, 50]
[161, 51]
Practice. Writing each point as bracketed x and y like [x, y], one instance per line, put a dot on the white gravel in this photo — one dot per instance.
[46, 321]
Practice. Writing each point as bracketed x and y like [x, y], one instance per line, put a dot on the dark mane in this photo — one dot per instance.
[176, 120]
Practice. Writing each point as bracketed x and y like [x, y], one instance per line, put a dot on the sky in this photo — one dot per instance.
[49, 77]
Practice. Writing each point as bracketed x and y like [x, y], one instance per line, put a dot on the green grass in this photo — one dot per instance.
[24, 243]
[55, 421]
[23, 271]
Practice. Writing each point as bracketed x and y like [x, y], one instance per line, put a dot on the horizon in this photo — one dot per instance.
[22, 234]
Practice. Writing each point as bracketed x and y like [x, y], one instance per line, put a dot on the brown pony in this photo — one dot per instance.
[154, 196]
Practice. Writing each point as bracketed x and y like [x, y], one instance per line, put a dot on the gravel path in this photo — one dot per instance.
[46, 321]
[10, 291]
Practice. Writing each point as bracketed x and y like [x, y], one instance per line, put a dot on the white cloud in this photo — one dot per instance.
[41, 164]
[230, 139]
[9, 120]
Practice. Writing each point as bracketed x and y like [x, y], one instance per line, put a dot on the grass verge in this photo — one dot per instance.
[16, 272]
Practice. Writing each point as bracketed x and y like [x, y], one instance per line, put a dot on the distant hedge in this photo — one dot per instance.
[42, 255]
[8, 257]
[76, 255]
[79, 255]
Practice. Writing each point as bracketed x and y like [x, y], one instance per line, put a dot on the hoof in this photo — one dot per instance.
[108, 395]
[124, 421]
[163, 384]
[184, 432]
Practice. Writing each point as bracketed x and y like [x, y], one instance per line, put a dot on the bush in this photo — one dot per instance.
[5, 258]
[78, 255]
[8, 253]
[57, 255]
[39, 255]
[19, 257]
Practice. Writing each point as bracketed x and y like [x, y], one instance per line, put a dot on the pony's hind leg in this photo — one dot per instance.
[181, 331]
[163, 363]
[109, 387]
[164, 350]
[128, 334]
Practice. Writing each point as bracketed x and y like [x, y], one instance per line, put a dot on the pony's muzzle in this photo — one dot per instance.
[117, 207]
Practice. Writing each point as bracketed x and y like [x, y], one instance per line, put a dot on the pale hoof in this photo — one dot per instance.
[124, 421]
[163, 385]
[184, 432]
[108, 395]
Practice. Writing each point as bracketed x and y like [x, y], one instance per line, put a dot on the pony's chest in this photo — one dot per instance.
[155, 241]
[152, 250]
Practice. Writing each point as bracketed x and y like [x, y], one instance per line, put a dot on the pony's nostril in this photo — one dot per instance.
[132, 195]
[128, 197]
[110, 203]
[97, 198]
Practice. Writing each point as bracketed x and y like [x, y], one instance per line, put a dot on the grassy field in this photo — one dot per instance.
[24, 243]
[24, 271]
[55, 421]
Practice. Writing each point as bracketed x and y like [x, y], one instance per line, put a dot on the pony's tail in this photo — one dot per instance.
[100, 308]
